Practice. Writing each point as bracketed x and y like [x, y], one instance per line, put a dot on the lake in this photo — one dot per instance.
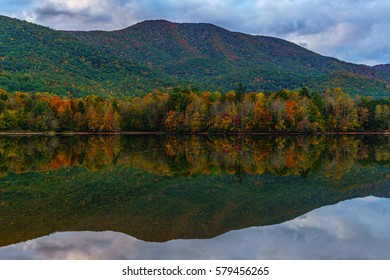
[195, 197]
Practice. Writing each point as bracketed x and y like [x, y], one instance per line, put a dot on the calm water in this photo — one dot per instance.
[196, 197]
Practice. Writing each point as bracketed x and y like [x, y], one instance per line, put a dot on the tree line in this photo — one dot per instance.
[185, 111]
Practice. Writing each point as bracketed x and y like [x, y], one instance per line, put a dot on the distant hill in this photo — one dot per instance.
[35, 58]
[205, 53]
[384, 68]
[162, 54]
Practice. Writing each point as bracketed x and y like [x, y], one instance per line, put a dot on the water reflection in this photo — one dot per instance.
[162, 188]
[353, 229]
[170, 155]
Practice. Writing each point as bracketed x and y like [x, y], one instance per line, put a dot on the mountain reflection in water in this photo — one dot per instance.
[165, 188]
[353, 229]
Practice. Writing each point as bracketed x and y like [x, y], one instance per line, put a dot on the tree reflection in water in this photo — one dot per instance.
[175, 155]
[159, 188]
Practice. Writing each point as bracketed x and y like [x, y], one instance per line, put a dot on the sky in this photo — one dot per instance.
[351, 30]
[352, 229]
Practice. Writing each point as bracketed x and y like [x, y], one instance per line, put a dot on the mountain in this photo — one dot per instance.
[222, 59]
[384, 68]
[162, 54]
[35, 58]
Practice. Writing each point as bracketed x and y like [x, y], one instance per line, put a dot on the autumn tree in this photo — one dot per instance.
[341, 111]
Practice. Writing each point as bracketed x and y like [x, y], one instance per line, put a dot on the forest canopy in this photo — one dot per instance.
[186, 111]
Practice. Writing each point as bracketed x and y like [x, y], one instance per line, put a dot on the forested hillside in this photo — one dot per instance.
[38, 59]
[218, 59]
[160, 55]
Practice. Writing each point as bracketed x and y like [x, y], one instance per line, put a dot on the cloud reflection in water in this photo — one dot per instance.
[353, 229]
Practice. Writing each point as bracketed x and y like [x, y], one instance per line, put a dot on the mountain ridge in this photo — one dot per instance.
[162, 54]
[38, 59]
[206, 52]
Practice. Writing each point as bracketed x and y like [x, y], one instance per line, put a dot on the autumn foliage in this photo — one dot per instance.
[184, 111]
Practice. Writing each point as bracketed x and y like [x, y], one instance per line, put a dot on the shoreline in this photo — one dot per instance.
[71, 133]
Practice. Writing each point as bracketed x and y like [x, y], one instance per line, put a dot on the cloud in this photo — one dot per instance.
[71, 15]
[61, 10]
[352, 30]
